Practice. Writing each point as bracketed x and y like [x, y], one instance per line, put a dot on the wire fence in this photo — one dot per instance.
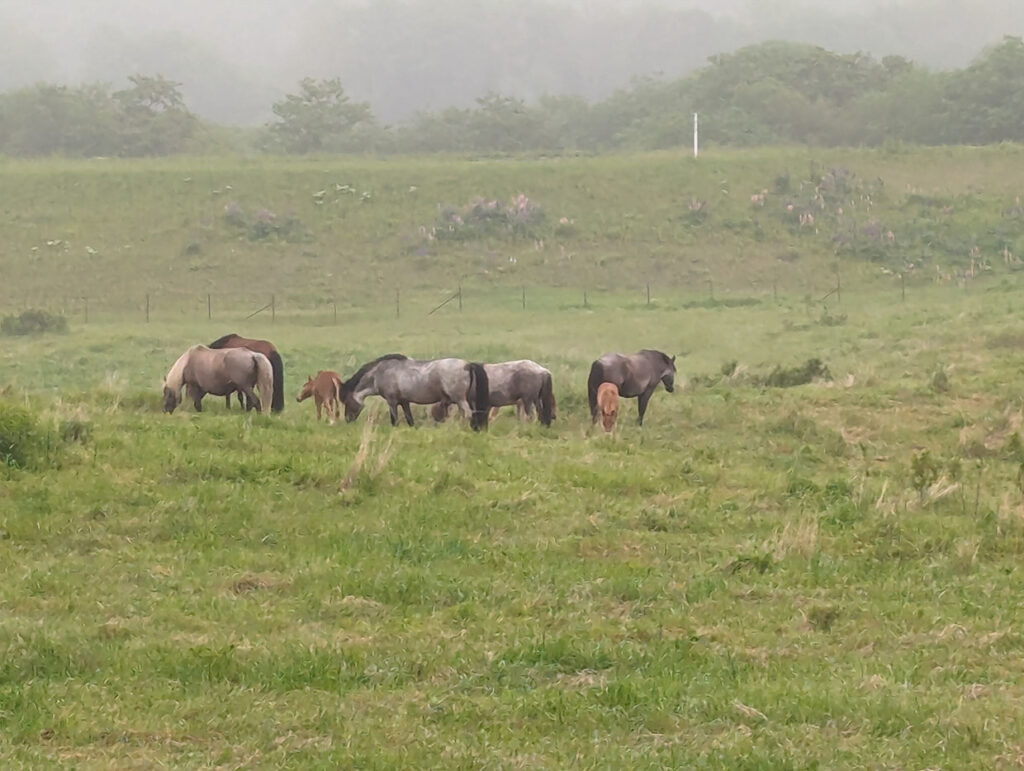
[418, 303]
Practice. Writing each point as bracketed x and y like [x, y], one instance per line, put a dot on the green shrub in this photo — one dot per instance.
[21, 441]
[33, 322]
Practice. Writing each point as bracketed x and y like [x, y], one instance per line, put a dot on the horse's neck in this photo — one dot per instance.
[367, 386]
[176, 377]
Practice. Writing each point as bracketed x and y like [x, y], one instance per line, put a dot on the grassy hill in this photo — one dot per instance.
[353, 230]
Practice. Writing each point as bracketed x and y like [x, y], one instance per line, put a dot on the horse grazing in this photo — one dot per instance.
[267, 349]
[325, 389]
[201, 370]
[635, 375]
[402, 381]
[608, 404]
[523, 383]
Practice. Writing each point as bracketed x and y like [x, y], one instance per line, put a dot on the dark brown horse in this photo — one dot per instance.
[267, 349]
[636, 375]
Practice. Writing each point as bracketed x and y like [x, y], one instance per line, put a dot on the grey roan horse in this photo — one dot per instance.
[402, 381]
[635, 375]
[523, 383]
[202, 371]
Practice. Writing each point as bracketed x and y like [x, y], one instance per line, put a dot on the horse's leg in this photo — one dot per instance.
[525, 408]
[227, 400]
[319, 406]
[197, 395]
[251, 400]
[641, 404]
[408, 412]
[393, 411]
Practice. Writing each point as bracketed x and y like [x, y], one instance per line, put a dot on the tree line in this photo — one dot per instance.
[770, 93]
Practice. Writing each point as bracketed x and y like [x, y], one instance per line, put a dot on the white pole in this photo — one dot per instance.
[695, 135]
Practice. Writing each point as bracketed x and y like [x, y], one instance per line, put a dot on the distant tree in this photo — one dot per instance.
[155, 120]
[50, 119]
[321, 117]
[986, 100]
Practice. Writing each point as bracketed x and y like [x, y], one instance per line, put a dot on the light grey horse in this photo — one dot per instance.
[523, 383]
[402, 381]
[636, 375]
[203, 370]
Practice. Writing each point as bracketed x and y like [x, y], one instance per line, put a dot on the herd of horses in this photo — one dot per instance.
[253, 371]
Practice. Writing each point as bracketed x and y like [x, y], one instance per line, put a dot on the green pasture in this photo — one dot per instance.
[817, 576]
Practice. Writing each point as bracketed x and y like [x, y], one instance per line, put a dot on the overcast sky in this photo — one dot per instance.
[235, 58]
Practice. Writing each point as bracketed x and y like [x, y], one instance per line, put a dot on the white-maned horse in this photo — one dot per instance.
[201, 370]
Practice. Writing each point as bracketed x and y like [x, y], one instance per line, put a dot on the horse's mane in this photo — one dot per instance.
[175, 374]
[664, 356]
[220, 342]
[353, 381]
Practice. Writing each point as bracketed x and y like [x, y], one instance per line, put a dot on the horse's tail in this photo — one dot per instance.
[593, 383]
[277, 366]
[547, 400]
[478, 396]
[264, 380]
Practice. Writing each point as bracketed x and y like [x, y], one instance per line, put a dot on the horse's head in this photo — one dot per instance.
[353, 406]
[669, 378]
[609, 414]
[171, 399]
[307, 389]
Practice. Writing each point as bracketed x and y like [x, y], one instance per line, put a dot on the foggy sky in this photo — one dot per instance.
[235, 58]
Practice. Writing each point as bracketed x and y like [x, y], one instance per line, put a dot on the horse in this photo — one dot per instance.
[267, 349]
[203, 370]
[402, 381]
[636, 375]
[325, 389]
[523, 383]
[608, 404]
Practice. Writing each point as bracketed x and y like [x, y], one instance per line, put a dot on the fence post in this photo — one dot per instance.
[648, 292]
[524, 297]
[209, 308]
[398, 305]
[460, 298]
[903, 288]
[147, 307]
[273, 310]
[585, 298]
[839, 287]
[334, 305]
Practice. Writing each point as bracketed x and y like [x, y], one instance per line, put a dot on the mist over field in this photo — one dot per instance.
[406, 56]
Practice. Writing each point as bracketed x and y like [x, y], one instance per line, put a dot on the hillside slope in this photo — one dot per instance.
[354, 229]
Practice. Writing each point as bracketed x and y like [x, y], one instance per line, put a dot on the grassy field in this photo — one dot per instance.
[760, 577]
[352, 231]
